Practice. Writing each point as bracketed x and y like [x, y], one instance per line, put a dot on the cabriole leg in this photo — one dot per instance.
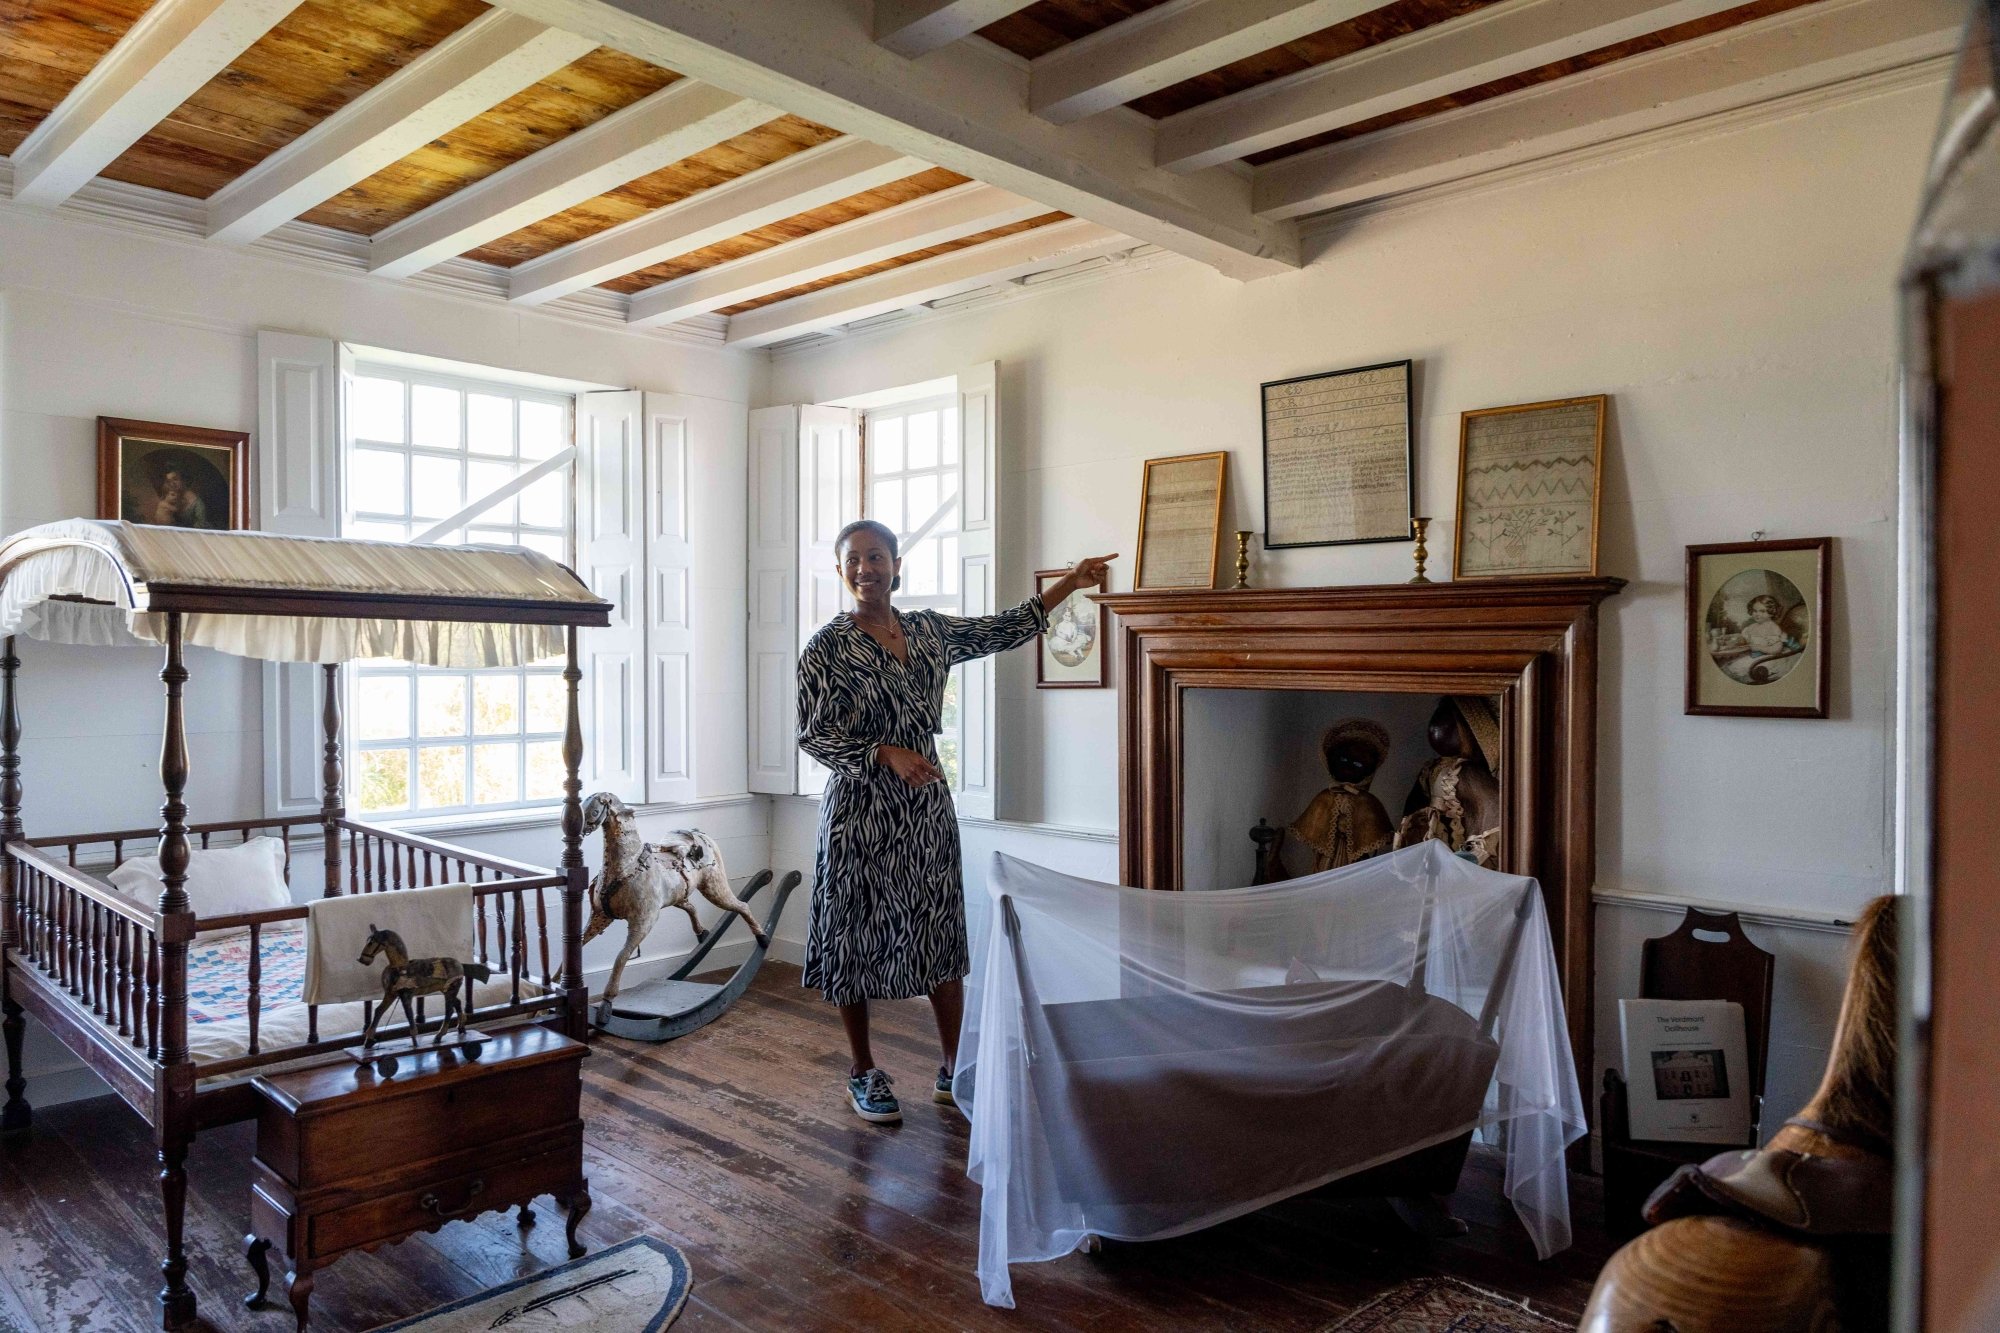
[579, 1206]
[259, 1254]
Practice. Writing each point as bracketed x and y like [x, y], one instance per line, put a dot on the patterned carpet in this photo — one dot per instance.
[1443, 1305]
[636, 1287]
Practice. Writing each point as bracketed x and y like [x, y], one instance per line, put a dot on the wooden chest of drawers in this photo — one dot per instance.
[349, 1160]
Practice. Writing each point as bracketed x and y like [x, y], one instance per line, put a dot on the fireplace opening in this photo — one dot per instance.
[1251, 756]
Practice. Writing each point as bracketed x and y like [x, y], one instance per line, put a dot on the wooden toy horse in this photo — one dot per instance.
[406, 977]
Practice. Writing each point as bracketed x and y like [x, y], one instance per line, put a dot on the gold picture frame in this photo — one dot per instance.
[177, 476]
[1530, 489]
[1180, 521]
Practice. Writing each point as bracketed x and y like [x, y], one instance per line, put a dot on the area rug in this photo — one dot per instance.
[636, 1287]
[1444, 1305]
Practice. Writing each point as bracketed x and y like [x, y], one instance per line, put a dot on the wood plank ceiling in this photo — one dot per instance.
[303, 94]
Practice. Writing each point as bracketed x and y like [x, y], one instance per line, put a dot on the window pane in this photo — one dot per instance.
[920, 578]
[546, 711]
[441, 705]
[924, 440]
[950, 450]
[885, 445]
[384, 780]
[496, 774]
[542, 502]
[555, 548]
[440, 776]
[375, 482]
[484, 479]
[489, 424]
[380, 532]
[382, 708]
[542, 430]
[433, 416]
[378, 409]
[496, 705]
[948, 487]
[545, 770]
[948, 554]
[491, 536]
[436, 489]
[923, 500]
[888, 504]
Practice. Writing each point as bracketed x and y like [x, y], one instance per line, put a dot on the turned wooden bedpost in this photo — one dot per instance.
[174, 1117]
[576, 876]
[331, 808]
[15, 1116]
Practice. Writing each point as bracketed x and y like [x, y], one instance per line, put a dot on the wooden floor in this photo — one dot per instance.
[736, 1145]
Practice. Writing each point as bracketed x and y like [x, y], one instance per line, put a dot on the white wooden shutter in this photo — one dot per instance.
[773, 541]
[300, 391]
[610, 547]
[978, 555]
[829, 499]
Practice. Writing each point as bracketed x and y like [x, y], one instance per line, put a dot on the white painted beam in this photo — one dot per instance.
[678, 121]
[1162, 46]
[160, 62]
[1787, 53]
[963, 107]
[787, 187]
[473, 70]
[926, 280]
[1488, 44]
[931, 220]
[917, 27]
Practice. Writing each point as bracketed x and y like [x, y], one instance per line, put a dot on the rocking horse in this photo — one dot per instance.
[406, 978]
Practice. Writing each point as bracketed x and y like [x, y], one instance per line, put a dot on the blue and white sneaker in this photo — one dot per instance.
[941, 1090]
[872, 1099]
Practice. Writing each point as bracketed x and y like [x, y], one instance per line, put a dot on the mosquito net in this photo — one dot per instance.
[1140, 1064]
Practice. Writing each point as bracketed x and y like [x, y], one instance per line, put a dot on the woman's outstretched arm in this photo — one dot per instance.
[966, 638]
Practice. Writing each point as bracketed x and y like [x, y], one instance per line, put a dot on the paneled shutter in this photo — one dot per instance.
[300, 391]
[610, 547]
[774, 599]
[829, 498]
[978, 554]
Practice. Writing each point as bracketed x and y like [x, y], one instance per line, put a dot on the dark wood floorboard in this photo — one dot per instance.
[736, 1144]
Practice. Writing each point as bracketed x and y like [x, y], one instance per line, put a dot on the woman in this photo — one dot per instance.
[888, 907]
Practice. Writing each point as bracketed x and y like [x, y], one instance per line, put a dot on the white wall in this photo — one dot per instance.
[99, 319]
[1731, 292]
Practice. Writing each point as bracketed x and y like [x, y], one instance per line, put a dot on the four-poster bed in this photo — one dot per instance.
[111, 980]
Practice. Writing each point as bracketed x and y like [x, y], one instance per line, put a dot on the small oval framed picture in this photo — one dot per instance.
[1757, 628]
[1071, 654]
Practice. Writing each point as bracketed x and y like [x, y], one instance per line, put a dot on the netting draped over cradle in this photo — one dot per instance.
[1140, 1064]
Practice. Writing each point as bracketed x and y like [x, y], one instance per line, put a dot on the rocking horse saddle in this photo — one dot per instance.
[1804, 1194]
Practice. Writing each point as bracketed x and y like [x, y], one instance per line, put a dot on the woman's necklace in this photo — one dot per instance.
[888, 633]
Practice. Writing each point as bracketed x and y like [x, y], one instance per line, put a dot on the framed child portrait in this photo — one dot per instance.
[173, 476]
[1757, 641]
[1071, 652]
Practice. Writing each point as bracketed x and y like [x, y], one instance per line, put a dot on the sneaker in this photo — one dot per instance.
[941, 1090]
[872, 1099]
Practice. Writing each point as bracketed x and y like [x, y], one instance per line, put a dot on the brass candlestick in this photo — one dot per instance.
[1243, 558]
[1417, 529]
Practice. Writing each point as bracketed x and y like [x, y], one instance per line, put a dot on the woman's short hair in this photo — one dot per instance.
[879, 529]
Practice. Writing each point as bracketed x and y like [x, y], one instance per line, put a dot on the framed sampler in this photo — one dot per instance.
[173, 476]
[1529, 489]
[1757, 641]
[1070, 655]
[1180, 521]
[1339, 457]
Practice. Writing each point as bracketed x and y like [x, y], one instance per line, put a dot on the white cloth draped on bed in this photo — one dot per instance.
[1140, 1064]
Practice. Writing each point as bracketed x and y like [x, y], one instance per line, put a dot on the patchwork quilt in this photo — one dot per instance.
[219, 974]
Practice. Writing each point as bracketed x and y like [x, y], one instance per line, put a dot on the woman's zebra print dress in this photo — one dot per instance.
[888, 905]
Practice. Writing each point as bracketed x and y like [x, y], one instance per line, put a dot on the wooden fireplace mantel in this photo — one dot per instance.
[1530, 642]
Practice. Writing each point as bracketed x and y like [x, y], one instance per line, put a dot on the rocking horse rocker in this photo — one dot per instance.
[639, 881]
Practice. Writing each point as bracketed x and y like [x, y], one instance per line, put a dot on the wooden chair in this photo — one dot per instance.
[1688, 964]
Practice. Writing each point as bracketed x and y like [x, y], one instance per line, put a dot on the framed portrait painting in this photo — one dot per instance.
[1757, 628]
[1071, 654]
[173, 476]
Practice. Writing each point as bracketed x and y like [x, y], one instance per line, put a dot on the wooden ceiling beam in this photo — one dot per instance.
[473, 70]
[792, 185]
[678, 121]
[963, 107]
[1449, 57]
[1162, 46]
[175, 48]
[1787, 53]
[913, 28]
[926, 280]
[932, 220]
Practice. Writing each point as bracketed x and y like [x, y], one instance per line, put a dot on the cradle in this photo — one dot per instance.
[152, 1001]
[1143, 1064]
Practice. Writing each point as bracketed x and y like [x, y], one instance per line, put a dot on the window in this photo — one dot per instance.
[436, 458]
[910, 452]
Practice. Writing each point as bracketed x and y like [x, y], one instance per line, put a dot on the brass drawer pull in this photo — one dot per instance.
[429, 1203]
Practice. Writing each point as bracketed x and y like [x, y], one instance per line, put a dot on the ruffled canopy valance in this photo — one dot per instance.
[290, 599]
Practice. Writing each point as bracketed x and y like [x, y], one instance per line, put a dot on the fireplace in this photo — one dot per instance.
[1530, 644]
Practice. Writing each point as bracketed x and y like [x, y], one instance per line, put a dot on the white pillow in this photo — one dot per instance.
[221, 881]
